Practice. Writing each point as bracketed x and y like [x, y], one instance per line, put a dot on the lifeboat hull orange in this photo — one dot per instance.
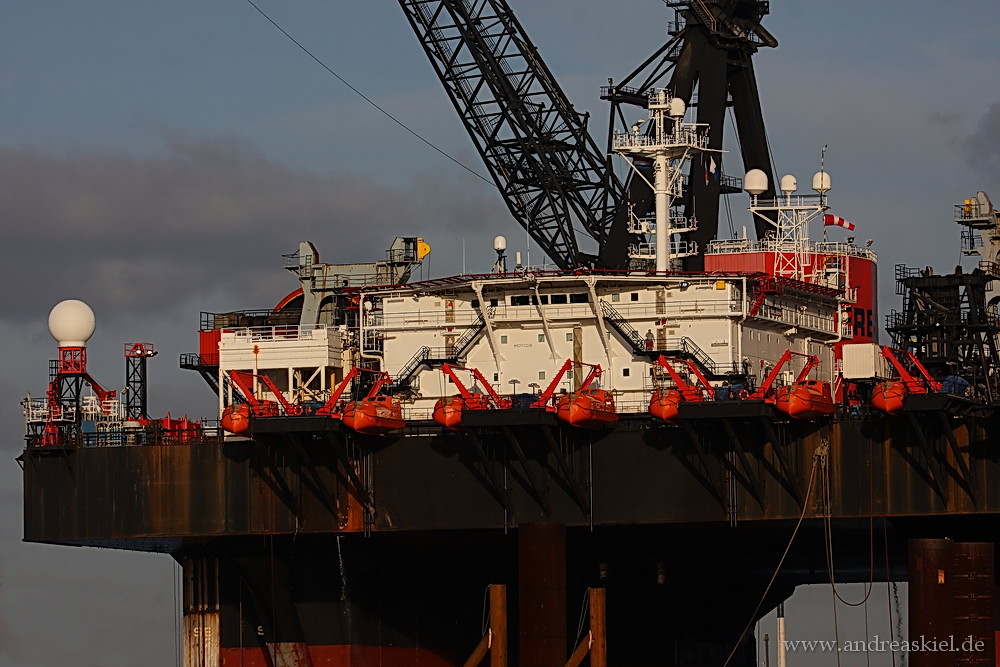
[236, 419]
[374, 416]
[806, 401]
[665, 405]
[594, 409]
[448, 410]
[888, 397]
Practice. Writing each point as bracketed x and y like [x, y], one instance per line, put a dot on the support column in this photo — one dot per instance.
[974, 599]
[931, 599]
[269, 581]
[201, 612]
[541, 555]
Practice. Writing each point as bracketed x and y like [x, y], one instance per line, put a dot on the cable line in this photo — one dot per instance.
[365, 97]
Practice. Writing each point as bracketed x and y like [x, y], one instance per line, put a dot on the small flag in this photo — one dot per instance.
[837, 221]
[711, 171]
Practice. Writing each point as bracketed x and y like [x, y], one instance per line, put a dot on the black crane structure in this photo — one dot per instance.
[553, 175]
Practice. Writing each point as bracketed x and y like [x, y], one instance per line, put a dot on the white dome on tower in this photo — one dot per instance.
[500, 244]
[72, 323]
[789, 184]
[755, 182]
[821, 182]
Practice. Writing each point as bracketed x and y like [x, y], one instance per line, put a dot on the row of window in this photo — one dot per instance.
[541, 338]
[546, 299]
[626, 372]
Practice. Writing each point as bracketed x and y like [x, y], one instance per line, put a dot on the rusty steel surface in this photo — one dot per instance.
[541, 550]
[151, 497]
[975, 594]
[931, 616]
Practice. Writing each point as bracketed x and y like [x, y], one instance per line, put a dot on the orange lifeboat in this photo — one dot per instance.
[665, 405]
[806, 400]
[236, 419]
[448, 410]
[376, 415]
[587, 408]
[888, 397]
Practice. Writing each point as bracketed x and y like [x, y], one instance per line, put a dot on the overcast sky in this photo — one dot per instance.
[156, 159]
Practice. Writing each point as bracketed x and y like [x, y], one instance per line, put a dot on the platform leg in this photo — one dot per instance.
[542, 594]
[201, 612]
[931, 600]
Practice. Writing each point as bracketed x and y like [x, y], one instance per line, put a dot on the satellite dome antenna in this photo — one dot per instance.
[72, 323]
[500, 245]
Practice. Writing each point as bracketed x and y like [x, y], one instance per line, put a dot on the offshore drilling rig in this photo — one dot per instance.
[668, 429]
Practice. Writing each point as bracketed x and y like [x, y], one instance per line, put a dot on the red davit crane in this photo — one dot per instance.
[448, 409]
[372, 415]
[586, 407]
[665, 404]
[888, 396]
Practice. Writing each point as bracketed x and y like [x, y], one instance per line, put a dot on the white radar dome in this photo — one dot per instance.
[500, 243]
[755, 182]
[789, 184]
[677, 107]
[821, 182]
[72, 323]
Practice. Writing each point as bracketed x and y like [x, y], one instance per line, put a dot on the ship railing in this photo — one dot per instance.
[989, 268]
[726, 246]
[289, 332]
[673, 308]
[647, 224]
[973, 212]
[797, 318]
[792, 201]
[687, 136]
[37, 410]
[965, 318]
[238, 319]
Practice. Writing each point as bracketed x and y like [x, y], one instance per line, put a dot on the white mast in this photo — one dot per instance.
[671, 143]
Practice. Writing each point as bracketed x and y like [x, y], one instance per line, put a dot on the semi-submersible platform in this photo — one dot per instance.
[671, 431]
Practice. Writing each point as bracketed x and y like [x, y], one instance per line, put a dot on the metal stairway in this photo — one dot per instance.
[427, 355]
[682, 347]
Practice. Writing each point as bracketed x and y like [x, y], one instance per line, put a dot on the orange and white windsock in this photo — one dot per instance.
[837, 221]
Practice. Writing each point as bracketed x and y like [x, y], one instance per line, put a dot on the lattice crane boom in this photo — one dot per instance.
[551, 173]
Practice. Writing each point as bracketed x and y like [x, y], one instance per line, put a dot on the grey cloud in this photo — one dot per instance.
[980, 146]
[210, 216]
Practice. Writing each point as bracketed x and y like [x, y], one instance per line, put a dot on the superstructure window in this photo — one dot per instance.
[503, 340]
[580, 297]
[569, 337]
[558, 299]
[634, 296]
[545, 299]
[541, 375]
[520, 300]
[626, 372]
[541, 338]
[474, 303]
[616, 297]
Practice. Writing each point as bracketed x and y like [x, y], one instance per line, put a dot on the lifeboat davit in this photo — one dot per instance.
[236, 419]
[448, 410]
[377, 415]
[888, 397]
[589, 408]
[806, 400]
[665, 405]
